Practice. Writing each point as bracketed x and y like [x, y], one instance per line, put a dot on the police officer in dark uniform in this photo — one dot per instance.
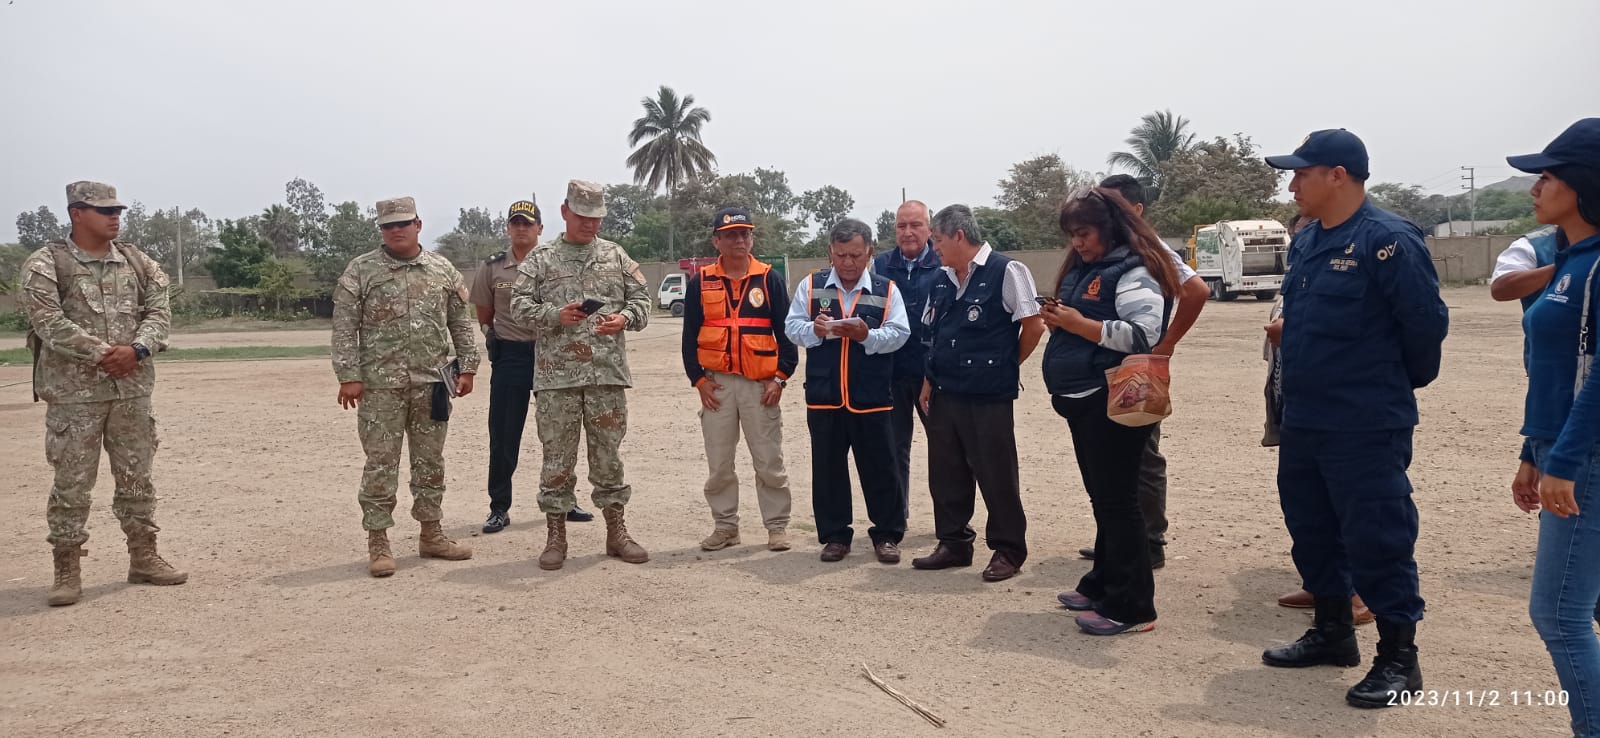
[510, 348]
[1362, 329]
[913, 266]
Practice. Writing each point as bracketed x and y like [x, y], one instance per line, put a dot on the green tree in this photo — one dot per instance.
[276, 282]
[281, 227]
[624, 204]
[310, 209]
[1032, 197]
[351, 232]
[36, 228]
[885, 227]
[1001, 233]
[1225, 179]
[1158, 137]
[1407, 201]
[11, 257]
[671, 150]
[237, 262]
[826, 206]
[179, 240]
[1497, 205]
[478, 235]
[771, 193]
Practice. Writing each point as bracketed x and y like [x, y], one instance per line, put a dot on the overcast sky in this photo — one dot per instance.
[461, 103]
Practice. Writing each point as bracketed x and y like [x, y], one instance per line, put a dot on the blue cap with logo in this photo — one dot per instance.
[1579, 144]
[1333, 147]
[729, 218]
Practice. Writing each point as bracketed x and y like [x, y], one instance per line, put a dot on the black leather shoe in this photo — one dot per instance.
[1087, 552]
[944, 556]
[579, 515]
[835, 551]
[1394, 670]
[1158, 559]
[498, 521]
[1315, 648]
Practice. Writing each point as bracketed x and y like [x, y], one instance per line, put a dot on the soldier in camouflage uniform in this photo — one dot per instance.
[98, 309]
[581, 366]
[397, 314]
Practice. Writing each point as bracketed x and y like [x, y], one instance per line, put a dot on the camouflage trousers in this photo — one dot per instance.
[75, 433]
[601, 412]
[385, 419]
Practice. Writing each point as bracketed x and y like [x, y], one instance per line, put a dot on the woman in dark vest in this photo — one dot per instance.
[1110, 301]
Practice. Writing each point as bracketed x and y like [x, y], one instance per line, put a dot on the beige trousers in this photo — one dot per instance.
[741, 409]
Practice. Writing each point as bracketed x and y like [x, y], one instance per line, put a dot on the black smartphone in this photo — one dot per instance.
[1042, 300]
[590, 305]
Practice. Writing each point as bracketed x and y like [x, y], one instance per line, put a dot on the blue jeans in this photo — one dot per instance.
[1565, 601]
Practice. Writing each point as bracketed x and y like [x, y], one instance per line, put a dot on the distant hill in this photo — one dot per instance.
[1514, 184]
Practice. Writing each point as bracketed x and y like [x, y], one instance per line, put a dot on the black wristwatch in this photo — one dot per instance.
[140, 351]
[781, 382]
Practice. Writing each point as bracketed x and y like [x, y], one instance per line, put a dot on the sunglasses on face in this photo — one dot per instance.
[106, 211]
[395, 226]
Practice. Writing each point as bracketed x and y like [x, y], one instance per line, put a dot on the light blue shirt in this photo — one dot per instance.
[884, 339]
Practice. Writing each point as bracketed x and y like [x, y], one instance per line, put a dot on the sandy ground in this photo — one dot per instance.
[280, 631]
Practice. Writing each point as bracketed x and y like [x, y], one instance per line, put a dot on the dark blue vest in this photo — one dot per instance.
[913, 281]
[840, 374]
[975, 341]
[1072, 363]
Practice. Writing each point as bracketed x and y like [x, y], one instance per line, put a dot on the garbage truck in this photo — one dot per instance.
[1237, 257]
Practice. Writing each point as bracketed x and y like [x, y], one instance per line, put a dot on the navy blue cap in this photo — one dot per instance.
[1579, 144]
[728, 218]
[1334, 147]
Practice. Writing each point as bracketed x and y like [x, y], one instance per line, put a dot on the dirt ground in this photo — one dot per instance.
[281, 632]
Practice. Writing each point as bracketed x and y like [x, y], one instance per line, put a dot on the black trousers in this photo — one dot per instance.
[905, 391]
[1153, 493]
[973, 443]
[1109, 456]
[834, 435]
[510, 392]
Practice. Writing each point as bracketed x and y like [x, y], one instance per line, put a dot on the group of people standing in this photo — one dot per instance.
[937, 328]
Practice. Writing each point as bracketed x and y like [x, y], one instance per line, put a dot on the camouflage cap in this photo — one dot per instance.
[93, 194]
[586, 198]
[396, 210]
[526, 210]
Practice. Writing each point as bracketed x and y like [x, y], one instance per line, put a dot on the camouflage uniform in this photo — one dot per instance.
[81, 306]
[394, 323]
[580, 375]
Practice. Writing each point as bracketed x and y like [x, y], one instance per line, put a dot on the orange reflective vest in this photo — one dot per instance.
[738, 335]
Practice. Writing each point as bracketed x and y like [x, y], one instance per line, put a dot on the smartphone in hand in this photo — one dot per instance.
[1043, 300]
[590, 305]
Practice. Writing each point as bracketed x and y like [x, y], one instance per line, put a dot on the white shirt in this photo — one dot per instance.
[1185, 273]
[884, 339]
[1017, 292]
[1518, 257]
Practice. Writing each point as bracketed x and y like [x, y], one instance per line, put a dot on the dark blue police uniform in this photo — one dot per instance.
[914, 281]
[1363, 326]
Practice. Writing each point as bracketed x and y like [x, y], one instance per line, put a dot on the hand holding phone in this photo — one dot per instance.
[590, 305]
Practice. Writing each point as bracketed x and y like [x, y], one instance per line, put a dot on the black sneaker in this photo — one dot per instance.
[579, 515]
[497, 522]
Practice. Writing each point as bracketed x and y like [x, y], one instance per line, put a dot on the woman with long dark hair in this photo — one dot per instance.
[1112, 299]
[1561, 420]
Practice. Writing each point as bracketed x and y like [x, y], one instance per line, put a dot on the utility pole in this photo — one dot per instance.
[178, 220]
[1472, 197]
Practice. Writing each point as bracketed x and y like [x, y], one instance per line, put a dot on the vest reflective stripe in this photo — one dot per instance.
[743, 343]
[872, 373]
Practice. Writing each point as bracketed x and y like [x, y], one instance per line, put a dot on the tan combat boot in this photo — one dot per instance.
[145, 566]
[434, 544]
[618, 543]
[380, 561]
[69, 581]
[555, 544]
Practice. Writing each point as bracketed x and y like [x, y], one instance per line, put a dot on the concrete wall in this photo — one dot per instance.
[1467, 259]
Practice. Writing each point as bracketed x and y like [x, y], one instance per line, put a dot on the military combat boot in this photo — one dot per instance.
[434, 544]
[555, 543]
[68, 585]
[1331, 640]
[618, 543]
[380, 561]
[1394, 669]
[145, 566]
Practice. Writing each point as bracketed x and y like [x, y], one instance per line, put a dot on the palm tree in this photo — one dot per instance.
[1156, 139]
[281, 227]
[672, 152]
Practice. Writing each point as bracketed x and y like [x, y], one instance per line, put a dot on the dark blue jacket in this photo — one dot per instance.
[913, 280]
[1363, 324]
[975, 341]
[840, 374]
[1554, 411]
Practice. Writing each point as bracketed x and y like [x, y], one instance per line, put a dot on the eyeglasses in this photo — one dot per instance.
[109, 212]
[393, 226]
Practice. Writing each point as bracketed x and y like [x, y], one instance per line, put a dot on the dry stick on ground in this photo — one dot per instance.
[938, 722]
